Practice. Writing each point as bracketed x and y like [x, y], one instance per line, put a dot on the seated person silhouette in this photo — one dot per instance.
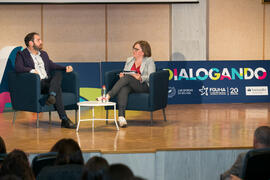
[68, 164]
[94, 168]
[34, 60]
[16, 163]
[134, 78]
[261, 140]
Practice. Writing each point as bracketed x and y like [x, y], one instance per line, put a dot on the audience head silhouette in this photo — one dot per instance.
[118, 172]
[94, 168]
[69, 152]
[262, 137]
[16, 163]
[2, 146]
[57, 145]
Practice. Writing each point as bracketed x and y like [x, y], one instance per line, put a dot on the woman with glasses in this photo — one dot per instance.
[134, 78]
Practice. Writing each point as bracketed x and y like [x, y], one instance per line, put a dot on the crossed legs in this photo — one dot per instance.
[122, 88]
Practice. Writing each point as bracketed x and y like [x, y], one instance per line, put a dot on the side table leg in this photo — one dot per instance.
[114, 111]
[79, 118]
[93, 111]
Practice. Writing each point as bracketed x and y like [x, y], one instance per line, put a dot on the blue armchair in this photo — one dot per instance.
[154, 100]
[25, 93]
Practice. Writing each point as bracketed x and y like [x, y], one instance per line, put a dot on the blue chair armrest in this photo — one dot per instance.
[70, 83]
[110, 78]
[24, 91]
[158, 89]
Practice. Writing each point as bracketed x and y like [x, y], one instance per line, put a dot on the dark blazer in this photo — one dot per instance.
[25, 63]
[236, 167]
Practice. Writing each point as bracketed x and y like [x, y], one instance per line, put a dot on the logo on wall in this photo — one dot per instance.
[257, 90]
[242, 73]
[234, 91]
[171, 92]
[219, 81]
[218, 91]
[204, 91]
[185, 91]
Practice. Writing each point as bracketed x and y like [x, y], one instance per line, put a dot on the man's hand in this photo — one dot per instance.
[69, 69]
[35, 71]
[137, 76]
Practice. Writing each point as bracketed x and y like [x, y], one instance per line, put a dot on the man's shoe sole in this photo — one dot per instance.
[72, 127]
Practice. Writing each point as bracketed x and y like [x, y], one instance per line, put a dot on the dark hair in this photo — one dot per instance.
[3, 149]
[146, 49]
[94, 168]
[69, 152]
[262, 135]
[57, 145]
[29, 37]
[10, 177]
[118, 172]
[17, 163]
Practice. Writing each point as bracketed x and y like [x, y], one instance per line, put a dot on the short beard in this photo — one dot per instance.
[37, 48]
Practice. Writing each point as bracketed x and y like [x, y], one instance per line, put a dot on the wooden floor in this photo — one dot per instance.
[203, 126]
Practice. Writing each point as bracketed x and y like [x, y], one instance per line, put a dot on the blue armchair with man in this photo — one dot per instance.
[34, 60]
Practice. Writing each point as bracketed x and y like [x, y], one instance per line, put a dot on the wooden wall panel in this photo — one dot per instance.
[16, 21]
[235, 29]
[189, 31]
[267, 32]
[128, 23]
[75, 33]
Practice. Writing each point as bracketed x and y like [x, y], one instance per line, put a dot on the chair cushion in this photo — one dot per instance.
[133, 100]
[69, 99]
[138, 98]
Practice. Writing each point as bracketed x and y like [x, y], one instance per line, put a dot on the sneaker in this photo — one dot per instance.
[122, 121]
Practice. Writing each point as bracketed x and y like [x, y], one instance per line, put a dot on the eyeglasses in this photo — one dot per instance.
[136, 49]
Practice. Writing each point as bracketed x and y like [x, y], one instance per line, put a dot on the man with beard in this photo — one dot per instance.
[34, 60]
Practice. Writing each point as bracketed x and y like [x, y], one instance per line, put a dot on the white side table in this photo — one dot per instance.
[92, 105]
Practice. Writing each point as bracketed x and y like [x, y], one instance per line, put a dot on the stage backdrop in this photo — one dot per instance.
[190, 82]
[195, 82]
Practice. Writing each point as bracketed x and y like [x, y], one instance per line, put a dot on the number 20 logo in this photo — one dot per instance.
[234, 91]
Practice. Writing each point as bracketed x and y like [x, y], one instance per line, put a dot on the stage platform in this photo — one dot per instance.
[193, 129]
[188, 127]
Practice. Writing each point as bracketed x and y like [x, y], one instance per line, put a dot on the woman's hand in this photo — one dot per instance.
[69, 69]
[121, 75]
[137, 76]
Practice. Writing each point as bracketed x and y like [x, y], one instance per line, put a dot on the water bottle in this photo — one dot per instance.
[103, 93]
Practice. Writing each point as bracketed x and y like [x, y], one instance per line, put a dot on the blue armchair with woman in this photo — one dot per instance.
[141, 64]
